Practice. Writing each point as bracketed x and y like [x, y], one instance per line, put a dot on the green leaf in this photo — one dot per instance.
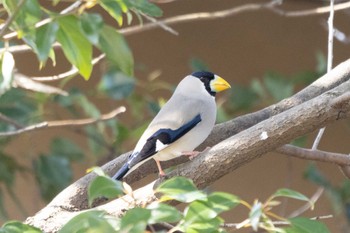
[3, 210]
[135, 220]
[197, 64]
[8, 167]
[199, 211]
[29, 14]
[116, 84]
[53, 174]
[314, 175]
[88, 222]
[278, 86]
[257, 88]
[220, 201]
[291, 194]
[75, 46]
[208, 226]
[44, 38]
[243, 98]
[66, 148]
[103, 186]
[91, 25]
[117, 51]
[305, 225]
[113, 8]
[18, 227]
[181, 189]
[21, 110]
[163, 213]
[146, 7]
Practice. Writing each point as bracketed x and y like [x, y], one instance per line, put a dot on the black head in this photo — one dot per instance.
[205, 77]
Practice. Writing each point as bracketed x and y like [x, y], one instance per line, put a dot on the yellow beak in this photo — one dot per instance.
[219, 84]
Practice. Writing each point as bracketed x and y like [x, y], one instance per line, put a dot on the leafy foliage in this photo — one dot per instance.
[53, 172]
[18, 227]
[202, 212]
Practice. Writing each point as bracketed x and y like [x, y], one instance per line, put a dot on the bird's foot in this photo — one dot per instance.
[192, 154]
[162, 174]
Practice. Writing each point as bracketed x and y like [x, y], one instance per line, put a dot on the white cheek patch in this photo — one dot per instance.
[263, 135]
[160, 145]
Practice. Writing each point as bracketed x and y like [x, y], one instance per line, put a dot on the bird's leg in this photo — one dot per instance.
[193, 154]
[161, 172]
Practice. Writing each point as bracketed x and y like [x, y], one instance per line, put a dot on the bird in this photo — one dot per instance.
[181, 125]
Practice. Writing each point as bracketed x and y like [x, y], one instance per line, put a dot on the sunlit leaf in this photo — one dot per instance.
[181, 189]
[220, 201]
[116, 84]
[103, 186]
[75, 46]
[199, 211]
[117, 51]
[18, 227]
[135, 220]
[163, 213]
[92, 221]
[113, 8]
[208, 226]
[97, 170]
[305, 225]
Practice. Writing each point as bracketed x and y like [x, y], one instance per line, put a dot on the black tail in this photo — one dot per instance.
[121, 172]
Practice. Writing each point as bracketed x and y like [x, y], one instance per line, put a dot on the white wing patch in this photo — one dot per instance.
[160, 146]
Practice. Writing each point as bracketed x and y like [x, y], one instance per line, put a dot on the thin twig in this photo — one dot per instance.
[315, 11]
[200, 16]
[73, 71]
[10, 121]
[316, 155]
[329, 63]
[276, 223]
[160, 24]
[45, 21]
[308, 205]
[65, 123]
[11, 18]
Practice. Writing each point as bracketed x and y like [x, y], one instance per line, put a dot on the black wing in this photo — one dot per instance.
[161, 139]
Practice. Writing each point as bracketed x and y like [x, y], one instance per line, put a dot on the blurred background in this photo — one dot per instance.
[264, 56]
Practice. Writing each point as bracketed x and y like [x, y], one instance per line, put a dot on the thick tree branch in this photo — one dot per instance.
[293, 117]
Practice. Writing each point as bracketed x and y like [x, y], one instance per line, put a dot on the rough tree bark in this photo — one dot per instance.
[234, 143]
